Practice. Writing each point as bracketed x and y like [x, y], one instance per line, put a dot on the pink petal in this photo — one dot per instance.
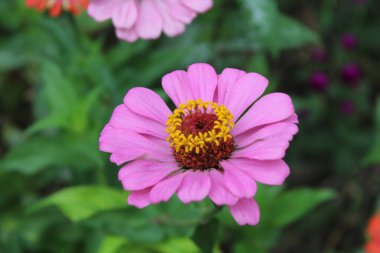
[238, 182]
[203, 80]
[149, 22]
[198, 5]
[269, 149]
[125, 15]
[129, 35]
[124, 118]
[140, 174]
[269, 109]
[180, 12]
[139, 199]
[127, 145]
[101, 10]
[219, 193]
[292, 119]
[172, 27]
[165, 189]
[266, 172]
[246, 212]
[147, 103]
[111, 142]
[279, 130]
[176, 85]
[195, 187]
[226, 83]
[244, 92]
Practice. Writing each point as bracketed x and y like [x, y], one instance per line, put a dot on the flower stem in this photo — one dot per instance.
[208, 216]
[100, 175]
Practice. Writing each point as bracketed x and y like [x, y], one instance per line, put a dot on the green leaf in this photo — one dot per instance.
[373, 156]
[272, 30]
[137, 225]
[58, 91]
[81, 116]
[82, 202]
[206, 235]
[183, 245]
[292, 205]
[34, 155]
[290, 34]
[51, 121]
[112, 244]
[377, 115]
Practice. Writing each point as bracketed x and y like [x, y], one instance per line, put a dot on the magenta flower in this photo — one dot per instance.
[349, 41]
[351, 73]
[147, 19]
[208, 146]
[319, 81]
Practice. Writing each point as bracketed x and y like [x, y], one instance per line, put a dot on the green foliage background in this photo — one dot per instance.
[60, 79]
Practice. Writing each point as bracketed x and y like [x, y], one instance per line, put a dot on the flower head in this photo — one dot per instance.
[351, 73]
[349, 41]
[373, 232]
[147, 19]
[319, 81]
[56, 6]
[373, 228]
[372, 247]
[214, 144]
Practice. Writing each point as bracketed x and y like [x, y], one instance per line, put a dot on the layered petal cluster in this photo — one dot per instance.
[56, 6]
[147, 19]
[153, 171]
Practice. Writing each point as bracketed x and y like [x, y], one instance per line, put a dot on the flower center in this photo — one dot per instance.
[199, 134]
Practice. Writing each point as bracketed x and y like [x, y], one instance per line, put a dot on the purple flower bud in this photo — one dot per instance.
[318, 54]
[349, 41]
[347, 107]
[319, 81]
[351, 73]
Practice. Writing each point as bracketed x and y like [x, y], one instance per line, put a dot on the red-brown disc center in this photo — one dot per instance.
[210, 157]
[197, 122]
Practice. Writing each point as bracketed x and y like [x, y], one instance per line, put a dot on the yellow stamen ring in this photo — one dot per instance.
[200, 141]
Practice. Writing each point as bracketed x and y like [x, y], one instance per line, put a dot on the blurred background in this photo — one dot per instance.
[60, 79]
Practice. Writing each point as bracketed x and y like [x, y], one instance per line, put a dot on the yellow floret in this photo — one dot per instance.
[201, 141]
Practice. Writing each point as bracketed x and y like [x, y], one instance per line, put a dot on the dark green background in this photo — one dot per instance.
[60, 79]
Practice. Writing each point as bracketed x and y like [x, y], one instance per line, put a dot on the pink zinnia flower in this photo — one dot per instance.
[56, 6]
[147, 19]
[207, 147]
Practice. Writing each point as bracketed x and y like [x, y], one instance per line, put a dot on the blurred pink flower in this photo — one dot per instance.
[56, 6]
[319, 81]
[351, 73]
[207, 146]
[147, 19]
[349, 41]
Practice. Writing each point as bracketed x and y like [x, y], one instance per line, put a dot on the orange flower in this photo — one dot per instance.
[372, 247]
[373, 228]
[56, 6]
